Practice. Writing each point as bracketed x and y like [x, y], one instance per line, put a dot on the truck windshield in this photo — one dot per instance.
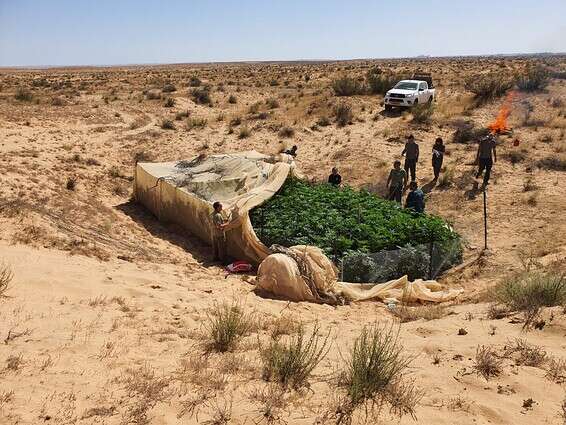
[405, 85]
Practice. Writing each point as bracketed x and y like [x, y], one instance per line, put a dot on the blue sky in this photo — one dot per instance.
[99, 32]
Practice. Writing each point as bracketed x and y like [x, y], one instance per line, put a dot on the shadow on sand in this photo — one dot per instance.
[171, 233]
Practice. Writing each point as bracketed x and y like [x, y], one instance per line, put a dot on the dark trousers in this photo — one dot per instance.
[395, 193]
[411, 165]
[436, 166]
[485, 164]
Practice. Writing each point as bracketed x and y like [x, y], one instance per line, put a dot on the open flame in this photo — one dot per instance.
[500, 123]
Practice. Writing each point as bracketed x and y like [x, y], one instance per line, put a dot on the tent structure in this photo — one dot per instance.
[183, 192]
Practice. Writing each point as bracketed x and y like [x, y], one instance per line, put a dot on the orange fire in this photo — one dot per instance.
[500, 123]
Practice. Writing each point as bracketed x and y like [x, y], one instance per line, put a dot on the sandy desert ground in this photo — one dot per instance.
[103, 322]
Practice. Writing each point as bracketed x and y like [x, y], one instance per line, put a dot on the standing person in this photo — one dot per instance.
[334, 178]
[486, 157]
[415, 198]
[219, 237]
[411, 153]
[438, 150]
[396, 182]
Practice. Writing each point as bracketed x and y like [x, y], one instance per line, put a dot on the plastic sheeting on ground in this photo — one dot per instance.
[183, 193]
[284, 276]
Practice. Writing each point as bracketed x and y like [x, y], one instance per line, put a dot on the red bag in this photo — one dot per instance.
[239, 267]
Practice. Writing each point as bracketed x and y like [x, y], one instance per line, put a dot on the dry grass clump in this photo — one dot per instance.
[466, 131]
[145, 389]
[226, 325]
[23, 95]
[346, 86]
[535, 78]
[563, 411]
[375, 376]
[272, 400]
[343, 114]
[201, 96]
[193, 123]
[169, 102]
[167, 125]
[422, 114]
[244, 132]
[554, 163]
[232, 99]
[283, 325]
[5, 398]
[292, 363]
[168, 88]
[426, 312]
[530, 291]
[286, 132]
[6, 277]
[527, 354]
[380, 82]
[487, 362]
[556, 370]
[487, 87]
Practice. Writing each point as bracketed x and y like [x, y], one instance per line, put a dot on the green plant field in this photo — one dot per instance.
[341, 220]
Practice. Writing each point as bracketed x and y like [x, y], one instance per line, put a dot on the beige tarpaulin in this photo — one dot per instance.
[183, 192]
[292, 276]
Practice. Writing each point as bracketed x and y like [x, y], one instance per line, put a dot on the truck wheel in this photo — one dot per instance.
[388, 108]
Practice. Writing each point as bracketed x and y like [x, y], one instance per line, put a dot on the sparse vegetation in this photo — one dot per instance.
[535, 78]
[486, 87]
[169, 88]
[226, 325]
[169, 103]
[286, 132]
[554, 163]
[23, 95]
[244, 132]
[529, 292]
[487, 363]
[343, 114]
[232, 99]
[6, 277]
[346, 86]
[466, 131]
[380, 82]
[292, 363]
[201, 96]
[428, 312]
[422, 113]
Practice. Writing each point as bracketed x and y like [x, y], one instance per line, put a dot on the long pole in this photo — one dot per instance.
[485, 218]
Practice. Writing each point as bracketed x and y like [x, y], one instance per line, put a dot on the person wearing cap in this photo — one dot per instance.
[486, 157]
[334, 178]
[411, 154]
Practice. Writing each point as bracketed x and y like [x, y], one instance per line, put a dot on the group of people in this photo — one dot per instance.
[396, 182]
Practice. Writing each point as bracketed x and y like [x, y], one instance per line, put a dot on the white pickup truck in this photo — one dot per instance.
[407, 93]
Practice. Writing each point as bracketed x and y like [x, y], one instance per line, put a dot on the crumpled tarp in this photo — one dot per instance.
[283, 276]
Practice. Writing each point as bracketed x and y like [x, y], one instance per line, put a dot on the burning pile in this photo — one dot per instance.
[499, 126]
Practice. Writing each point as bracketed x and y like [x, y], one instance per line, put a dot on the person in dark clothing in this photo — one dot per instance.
[334, 178]
[292, 151]
[411, 154]
[415, 198]
[396, 182]
[486, 157]
[438, 150]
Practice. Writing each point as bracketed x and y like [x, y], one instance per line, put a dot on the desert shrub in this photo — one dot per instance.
[466, 132]
[514, 156]
[487, 363]
[168, 88]
[181, 115]
[194, 81]
[422, 113]
[358, 266]
[374, 375]
[23, 95]
[286, 132]
[556, 370]
[407, 260]
[167, 125]
[446, 179]
[535, 78]
[526, 354]
[487, 86]
[343, 114]
[530, 291]
[201, 96]
[346, 86]
[71, 183]
[142, 156]
[254, 108]
[342, 219]
[232, 99]
[379, 82]
[169, 103]
[193, 123]
[58, 101]
[152, 95]
[272, 103]
[554, 163]
[226, 325]
[292, 363]
[426, 312]
[323, 121]
[236, 121]
[244, 132]
[6, 277]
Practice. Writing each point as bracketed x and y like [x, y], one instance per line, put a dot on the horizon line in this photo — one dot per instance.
[275, 61]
